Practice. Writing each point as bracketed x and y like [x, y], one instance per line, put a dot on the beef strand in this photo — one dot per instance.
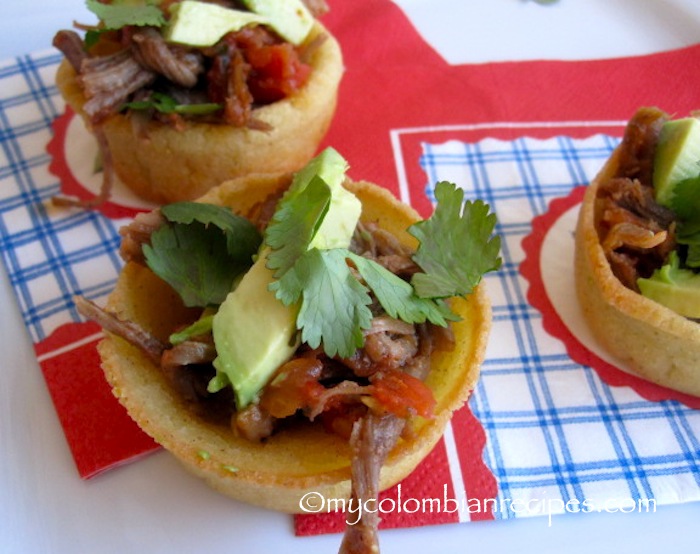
[176, 64]
[129, 331]
[108, 177]
[137, 233]
[373, 437]
[108, 81]
[71, 46]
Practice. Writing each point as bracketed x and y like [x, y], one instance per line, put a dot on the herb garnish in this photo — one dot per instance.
[201, 251]
[167, 104]
[121, 13]
[456, 249]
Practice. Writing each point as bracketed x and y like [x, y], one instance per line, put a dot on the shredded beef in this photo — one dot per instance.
[639, 144]
[191, 352]
[108, 81]
[373, 437]
[137, 233]
[343, 391]
[128, 330]
[253, 422]
[389, 344]
[177, 64]
[379, 245]
[107, 178]
[637, 234]
[71, 46]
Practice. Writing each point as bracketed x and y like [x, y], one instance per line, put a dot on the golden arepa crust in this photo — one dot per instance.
[300, 458]
[648, 338]
[163, 165]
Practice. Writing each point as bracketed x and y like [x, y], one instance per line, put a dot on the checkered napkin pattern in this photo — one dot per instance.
[558, 438]
[556, 433]
[50, 254]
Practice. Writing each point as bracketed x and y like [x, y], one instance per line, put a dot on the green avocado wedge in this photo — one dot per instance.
[677, 157]
[674, 287]
[254, 332]
[202, 24]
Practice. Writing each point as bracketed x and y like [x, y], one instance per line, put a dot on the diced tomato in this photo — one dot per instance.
[340, 419]
[277, 72]
[402, 394]
[294, 387]
[217, 79]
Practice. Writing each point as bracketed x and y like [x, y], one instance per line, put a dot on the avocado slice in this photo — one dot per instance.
[253, 331]
[289, 18]
[674, 287]
[339, 224]
[254, 334]
[201, 24]
[677, 157]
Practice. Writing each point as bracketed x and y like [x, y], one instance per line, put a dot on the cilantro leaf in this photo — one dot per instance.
[242, 238]
[201, 251]
[456, 249]
[456, 245]
[397, 296]
[685, 203]
[334, 304]
[121, 13]
[189, 258]
[294, 224]
[167, 104]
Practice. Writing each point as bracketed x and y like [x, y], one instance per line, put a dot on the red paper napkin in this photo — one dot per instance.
[100, 433]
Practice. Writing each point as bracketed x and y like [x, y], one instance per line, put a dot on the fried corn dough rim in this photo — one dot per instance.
[278, 473]
[656, 343]
[162, 164]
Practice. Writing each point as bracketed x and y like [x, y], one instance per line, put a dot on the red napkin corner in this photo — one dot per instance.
[99, 432]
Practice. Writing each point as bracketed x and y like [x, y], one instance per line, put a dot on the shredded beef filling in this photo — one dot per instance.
[246, 69]
[636, 233]
[395, 355]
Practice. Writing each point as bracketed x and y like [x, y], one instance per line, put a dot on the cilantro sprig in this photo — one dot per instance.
[201, 251]
[334, 304]
[398, 297]
[456, 249]
[168, 105]
[686, 205]
[120, 13]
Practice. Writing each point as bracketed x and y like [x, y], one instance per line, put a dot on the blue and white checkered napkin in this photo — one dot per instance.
[557, 434]
[558, 438]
